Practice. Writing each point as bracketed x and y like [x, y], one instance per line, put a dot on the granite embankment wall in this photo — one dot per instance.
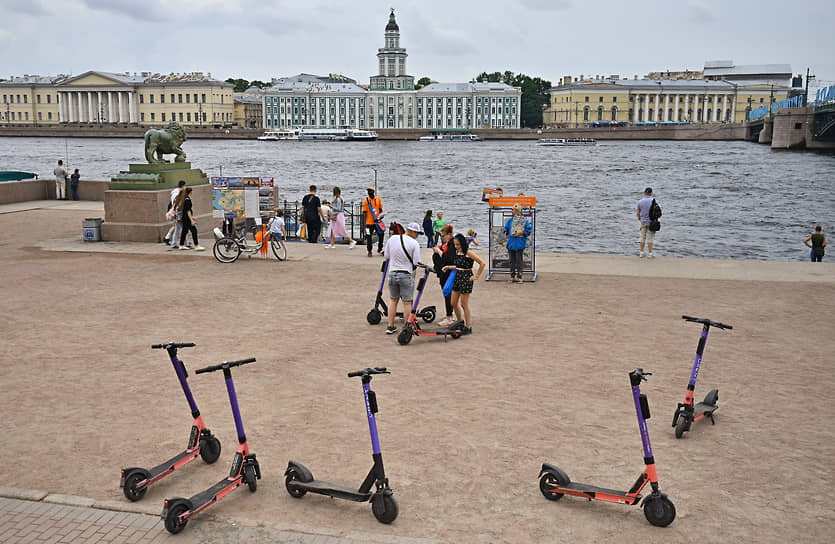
[673, 132]
[44, 189]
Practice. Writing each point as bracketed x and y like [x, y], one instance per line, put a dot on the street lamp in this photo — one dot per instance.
[806, 92]
[200, 114]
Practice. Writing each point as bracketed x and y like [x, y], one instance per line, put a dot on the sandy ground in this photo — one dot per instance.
[464, 425]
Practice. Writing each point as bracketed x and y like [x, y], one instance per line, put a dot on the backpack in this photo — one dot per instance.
[396, 228]
[654, 211]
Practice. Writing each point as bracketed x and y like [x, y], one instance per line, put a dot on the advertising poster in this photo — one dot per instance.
[242, 197]
[501, 211]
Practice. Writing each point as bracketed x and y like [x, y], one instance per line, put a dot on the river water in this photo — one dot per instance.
[735, 200]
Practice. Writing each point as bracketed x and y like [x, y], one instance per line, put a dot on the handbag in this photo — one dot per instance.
[449, 283]
[381, 227]
[654, 225]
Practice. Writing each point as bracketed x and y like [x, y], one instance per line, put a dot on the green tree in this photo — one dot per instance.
[422, 82]
[240, 84]
[258, 83]
[536, 92]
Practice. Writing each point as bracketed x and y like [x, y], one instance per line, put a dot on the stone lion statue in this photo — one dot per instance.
[165, 141]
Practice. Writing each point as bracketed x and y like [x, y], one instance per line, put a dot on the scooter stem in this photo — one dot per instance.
[180, 369]
[372, 422]
[385, 272]
[642, 423]
[421, 287]
[233, 400]
[699, 351]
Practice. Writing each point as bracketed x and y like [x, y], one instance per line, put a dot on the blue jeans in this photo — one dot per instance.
[74, 190]
[812, 256]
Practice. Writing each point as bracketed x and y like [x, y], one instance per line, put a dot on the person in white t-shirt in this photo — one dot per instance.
[174, 231]
[60, 181]
[403, 254]
[277, 226]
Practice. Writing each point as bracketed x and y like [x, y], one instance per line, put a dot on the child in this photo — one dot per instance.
[277, 226]
[472, 237]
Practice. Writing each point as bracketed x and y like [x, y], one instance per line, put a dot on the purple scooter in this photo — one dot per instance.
[375, 315]
[299, 480]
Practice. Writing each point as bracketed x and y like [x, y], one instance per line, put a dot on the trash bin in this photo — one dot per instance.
[91, 229]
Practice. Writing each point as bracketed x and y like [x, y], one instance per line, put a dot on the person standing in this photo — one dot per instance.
[189, 222]
[642, 212]
[313, 217]
[462, 286]
[438, 224]
[818, 245]
[276, 226]
[176, 224]
[444, 255]
[372, 209]
[74, 184]
[403, 254]
[428, 230]
[60, 181]
[337, 222]
[516, 232]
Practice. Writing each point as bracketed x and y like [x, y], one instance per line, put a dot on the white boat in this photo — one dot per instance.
[450, 137]
[274, 135]
[566, 141]
[337, 134]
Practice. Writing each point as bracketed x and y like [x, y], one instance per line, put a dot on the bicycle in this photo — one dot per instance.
[228, 248]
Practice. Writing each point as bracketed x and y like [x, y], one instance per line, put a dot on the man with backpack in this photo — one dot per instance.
[648, 214]
[403, 254]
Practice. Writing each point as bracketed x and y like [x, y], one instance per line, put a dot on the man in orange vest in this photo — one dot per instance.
[372, 209]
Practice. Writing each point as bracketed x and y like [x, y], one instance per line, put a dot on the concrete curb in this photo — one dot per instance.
[22, 494]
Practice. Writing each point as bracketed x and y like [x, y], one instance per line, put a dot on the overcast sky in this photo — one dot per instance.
[447, 40]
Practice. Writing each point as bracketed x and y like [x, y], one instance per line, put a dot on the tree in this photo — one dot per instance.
[422, 82]
[536, 92]
[240, 84]
[258, 83]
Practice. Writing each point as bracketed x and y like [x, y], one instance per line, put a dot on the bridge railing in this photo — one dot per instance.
[824, 96]
[762, 111]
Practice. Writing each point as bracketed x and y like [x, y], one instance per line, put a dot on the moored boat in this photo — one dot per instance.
[337, 134]
[14, 175]
[275, 135]
[566, 141]
[450, 137]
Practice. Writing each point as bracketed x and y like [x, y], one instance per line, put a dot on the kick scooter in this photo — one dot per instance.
[299, 480]
[658, 509]
[412, 328]
[381, 308]
[135, 480]
[686, 412]
[245, 470]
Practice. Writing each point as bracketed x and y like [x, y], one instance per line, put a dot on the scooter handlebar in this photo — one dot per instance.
[224, 365]
[638, 375]
[170, 345]
[367, 371]
[706, 322]
[425, 267]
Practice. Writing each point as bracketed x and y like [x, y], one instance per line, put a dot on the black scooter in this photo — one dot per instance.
[299, 480]
[201, 442]
[375, 315]
[687, 412]
[411, 327]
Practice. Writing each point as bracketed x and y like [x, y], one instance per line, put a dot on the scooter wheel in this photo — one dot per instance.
[374, 317]
[293, 491]
[210, 449]
[659, 511]
[546, 483]
[131, 493]
[384, 508]
[250, 478]
[405, 335]
[428, 315]
[172, 522]
[456, 334]
[682, 425]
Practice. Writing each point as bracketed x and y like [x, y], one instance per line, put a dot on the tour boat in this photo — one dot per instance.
[566, 141]
[14, 175]
[450, 137]
[275, 135]
[337, 134]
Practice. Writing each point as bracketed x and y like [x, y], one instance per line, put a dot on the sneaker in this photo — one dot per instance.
[391, 330]
[641, 255]
[466, 330]
[185, 247]
[650, 255]
[352, 244]
[369, 254]
[445, 322]
[167, 241]
[173, 247]
[199, 248]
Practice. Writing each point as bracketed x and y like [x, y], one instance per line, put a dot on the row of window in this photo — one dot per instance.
[179, 97]
[185, 117]
[24, 99]
[684, 97]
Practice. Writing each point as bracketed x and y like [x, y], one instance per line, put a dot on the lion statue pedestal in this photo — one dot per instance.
[137, 200]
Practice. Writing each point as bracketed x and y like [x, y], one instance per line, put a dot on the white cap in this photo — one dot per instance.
[414, 227]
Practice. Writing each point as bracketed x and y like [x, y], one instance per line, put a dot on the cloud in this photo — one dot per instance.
[547, 5]
[163, 10]
[32, 7]
[442, 42]
[700, 14]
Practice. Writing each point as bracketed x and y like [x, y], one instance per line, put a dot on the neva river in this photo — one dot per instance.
[735, 200]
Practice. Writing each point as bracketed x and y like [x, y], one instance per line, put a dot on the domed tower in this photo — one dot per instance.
[391, 59]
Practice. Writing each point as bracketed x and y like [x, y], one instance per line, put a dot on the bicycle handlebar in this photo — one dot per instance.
[224, 365]
[368, 371]
[170, 345]
[706, 322]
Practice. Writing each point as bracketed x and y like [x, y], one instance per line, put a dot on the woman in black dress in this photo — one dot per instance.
[464, 279]
[189, 222]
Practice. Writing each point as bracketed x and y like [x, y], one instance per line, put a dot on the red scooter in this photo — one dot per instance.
[412, 328]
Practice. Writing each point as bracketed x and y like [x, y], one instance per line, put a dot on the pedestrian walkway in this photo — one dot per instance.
[38, 517]
[64, 205]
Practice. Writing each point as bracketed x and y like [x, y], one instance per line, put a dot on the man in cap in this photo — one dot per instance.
[403, 254]
[373, 203]
[647, 235]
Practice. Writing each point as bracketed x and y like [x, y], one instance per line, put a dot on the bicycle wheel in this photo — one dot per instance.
[226, 250]
[279, 249]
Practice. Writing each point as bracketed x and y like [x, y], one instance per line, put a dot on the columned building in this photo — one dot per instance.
[390, 101]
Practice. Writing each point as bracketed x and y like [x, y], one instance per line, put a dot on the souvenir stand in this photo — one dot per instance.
[501, 210]
[251, 198]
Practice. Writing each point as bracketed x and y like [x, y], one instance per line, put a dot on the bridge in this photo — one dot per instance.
[789, 124]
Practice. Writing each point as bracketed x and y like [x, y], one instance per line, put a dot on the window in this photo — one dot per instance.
[142, 117]
[39, 99]
[188, 98]
[141, 99]
[153, 117]
[587, 99]
[614, 99]
[49, 115]
[600, 113]
[601, 99]
[40, 115]
[181, 117]
[27, 114]
[25, 99]
[188, 115]
[203, 98]
[614, 114]
[180, 101]
[162, 98]
[163, 117]
[195, 98]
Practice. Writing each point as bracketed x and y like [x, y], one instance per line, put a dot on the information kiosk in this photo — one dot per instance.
[501, 211]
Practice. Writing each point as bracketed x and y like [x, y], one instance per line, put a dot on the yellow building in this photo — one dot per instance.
[249, 108]
[577, 102]
[117, 99]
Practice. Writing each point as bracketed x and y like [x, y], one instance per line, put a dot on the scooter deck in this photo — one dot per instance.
[333, 490]
[702, 409]
[591, 491]
[209, 495]
[169, 465]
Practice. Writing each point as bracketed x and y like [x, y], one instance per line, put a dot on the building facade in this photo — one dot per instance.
[249, 108]
[117, 99]
[576, 103]
[390, 101]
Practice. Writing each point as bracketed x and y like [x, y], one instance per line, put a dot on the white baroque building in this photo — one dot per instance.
[390, 101]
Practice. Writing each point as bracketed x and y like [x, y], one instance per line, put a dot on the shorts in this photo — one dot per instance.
[401, 285]
[646, 234]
